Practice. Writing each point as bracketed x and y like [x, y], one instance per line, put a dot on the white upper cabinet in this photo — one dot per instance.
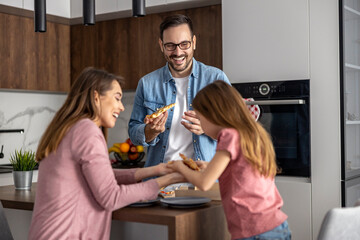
[265, 40]
[101, 7]
[73, 8]
[12, 3]
[107, 6]
[59, 8]
[152, 3]
[124, 5]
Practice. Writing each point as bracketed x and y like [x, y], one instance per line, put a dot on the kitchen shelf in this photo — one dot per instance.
[350, 82]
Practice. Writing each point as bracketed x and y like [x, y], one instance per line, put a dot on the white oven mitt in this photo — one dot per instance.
[254, 109]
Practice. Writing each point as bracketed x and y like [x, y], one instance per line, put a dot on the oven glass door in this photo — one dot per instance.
[287, 121]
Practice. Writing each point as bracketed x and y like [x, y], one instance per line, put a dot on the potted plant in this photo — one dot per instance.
[23, 163]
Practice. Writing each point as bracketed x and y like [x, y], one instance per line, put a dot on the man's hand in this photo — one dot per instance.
[193, 124]
[155, 126]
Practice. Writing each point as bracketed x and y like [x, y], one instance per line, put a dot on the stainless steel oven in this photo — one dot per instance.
[284, 112]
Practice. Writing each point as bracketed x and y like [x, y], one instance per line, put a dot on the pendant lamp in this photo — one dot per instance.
[138, 7]
[89, 12]
[40, 15]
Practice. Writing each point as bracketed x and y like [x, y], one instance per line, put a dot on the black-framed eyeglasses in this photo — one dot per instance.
[172, 46]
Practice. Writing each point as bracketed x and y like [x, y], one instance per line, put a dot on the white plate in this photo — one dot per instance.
[144, 203]
[185, 202]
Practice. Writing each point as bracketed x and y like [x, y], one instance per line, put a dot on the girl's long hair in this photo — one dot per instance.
[223, 105]
[79, 104]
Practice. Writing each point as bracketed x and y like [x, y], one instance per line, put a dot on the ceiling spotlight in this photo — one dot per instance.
[138, 8]
[40, 15]
[89, 12]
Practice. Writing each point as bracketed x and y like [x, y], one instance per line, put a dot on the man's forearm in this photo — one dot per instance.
[149, 134]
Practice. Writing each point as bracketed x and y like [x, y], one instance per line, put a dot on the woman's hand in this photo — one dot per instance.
[174, 165]
[177, 177]
[162, 169]
[153, 171]
[170, 178]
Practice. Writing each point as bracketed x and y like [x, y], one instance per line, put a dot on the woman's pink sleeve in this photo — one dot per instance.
[89, 148]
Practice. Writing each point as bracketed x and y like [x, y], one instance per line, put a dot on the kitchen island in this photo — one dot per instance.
[206, 222]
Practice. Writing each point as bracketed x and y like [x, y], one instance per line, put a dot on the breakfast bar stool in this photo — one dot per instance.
[341, 223]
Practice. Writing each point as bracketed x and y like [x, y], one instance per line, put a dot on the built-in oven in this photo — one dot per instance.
[284, 113]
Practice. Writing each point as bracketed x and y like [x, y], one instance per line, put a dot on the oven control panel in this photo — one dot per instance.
[275, 89]
[264, 89]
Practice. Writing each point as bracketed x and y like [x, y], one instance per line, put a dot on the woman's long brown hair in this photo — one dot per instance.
[79, 104]
[223, 105]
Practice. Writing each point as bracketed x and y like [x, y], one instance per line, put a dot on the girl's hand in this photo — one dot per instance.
[162, 169]
[202, 164]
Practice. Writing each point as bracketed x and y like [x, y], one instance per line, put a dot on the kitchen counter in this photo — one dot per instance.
[206, 222]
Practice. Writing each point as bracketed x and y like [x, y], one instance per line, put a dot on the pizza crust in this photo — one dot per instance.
[189, 162]
[160, 111]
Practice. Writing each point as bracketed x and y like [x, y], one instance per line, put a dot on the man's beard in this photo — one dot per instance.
[176, 67]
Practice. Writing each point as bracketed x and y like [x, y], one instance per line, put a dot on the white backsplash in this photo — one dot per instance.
[32, 111]
[119, 133]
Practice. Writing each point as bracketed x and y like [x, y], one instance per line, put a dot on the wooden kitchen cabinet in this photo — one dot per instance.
[34, 61]
[129, 46]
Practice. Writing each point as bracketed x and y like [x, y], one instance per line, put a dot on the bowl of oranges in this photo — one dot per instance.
[126, 153]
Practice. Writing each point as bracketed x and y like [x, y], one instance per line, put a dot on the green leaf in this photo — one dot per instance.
[23, 160]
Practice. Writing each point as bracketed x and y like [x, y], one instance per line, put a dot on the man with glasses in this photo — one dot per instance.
[177, 130]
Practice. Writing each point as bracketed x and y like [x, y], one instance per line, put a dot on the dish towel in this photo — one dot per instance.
[254, 109]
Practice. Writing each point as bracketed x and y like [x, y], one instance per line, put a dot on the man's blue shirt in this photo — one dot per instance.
[157, 89]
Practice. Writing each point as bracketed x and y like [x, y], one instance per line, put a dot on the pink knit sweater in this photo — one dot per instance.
[77, 189]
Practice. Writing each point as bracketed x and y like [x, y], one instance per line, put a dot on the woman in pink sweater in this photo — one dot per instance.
[77, 188]
[244, 163]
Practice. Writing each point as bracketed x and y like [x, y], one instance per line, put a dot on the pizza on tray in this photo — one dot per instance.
[160, 111]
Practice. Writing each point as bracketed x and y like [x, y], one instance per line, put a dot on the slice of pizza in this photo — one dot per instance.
[160, 111]
[166, 193]
[189, 162]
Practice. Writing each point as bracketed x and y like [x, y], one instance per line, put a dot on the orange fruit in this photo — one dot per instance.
[124, 147]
